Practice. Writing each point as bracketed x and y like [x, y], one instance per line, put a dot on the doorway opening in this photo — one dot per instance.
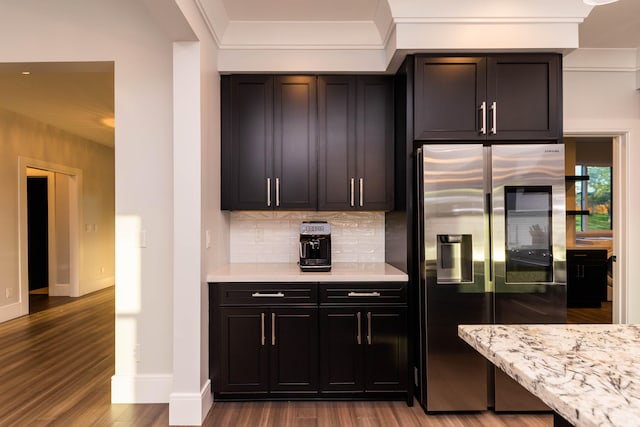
[48, 224]
[595, 175]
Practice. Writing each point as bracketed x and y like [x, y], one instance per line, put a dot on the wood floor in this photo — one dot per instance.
[56, 367]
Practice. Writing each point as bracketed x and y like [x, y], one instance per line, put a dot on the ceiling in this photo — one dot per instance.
[79, 97]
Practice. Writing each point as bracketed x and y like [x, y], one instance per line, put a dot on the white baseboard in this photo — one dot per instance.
[190, 409]
[60, 289]
[141, 388]
[89, 286]
[11, 311]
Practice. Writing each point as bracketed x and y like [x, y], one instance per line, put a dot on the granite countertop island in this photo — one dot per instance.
[588, 374]
[289, 272]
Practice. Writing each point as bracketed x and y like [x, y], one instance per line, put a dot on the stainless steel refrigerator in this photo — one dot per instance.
[492, 234]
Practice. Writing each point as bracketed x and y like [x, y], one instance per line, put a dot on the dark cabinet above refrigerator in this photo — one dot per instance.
[496, 97]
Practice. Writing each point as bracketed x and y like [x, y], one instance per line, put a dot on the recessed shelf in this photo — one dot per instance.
[586, 212]
[576, 178]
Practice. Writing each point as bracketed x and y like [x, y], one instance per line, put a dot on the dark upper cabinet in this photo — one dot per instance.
[355, 143]
[269, 142]
[497, 97]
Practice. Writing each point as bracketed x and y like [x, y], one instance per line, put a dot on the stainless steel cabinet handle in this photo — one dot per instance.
[359, 337]
[363, 294]
[353, 191]
[269, 192]
[483, 109]
[261, 295]
[494, 122]
[277, 192]
[369, 327]
[262, 324]
[273, 329]
[361, 192]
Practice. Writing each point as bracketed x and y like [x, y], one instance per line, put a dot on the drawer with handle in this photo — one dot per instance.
[359, 293]
[266, 293]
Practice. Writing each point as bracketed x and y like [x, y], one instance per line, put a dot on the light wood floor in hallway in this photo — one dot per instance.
[56, 366]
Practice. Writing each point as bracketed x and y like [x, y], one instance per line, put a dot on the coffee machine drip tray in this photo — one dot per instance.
[317, 268]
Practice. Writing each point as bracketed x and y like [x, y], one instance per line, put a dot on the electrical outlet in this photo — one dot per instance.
[207, 239]
[136, 353]
[259, 235]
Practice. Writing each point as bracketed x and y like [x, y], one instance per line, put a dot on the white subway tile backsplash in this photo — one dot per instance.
[272, 237]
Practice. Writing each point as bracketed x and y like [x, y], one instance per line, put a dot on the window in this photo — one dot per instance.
[594, 195]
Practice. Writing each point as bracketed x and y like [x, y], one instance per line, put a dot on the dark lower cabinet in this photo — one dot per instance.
[244, 358]
[586, 277]
[268, 350]
[278, 341]
[293, 352]
[363, 339]
[363, 349]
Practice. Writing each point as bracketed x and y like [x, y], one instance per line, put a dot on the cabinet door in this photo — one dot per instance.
[374, 143]
[386, 349]
[295, 166]
[586, 277]
[526, 91]
[355, 144]
[294, 350]
[336, 142]
[243, 350]
[247, 141]
[341, 349]
[448, 96]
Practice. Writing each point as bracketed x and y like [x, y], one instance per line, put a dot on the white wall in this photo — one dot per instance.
[124, 32]
[601, 98]
[139, 38]
[23, 137]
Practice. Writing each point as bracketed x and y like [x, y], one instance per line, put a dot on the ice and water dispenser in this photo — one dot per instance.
[454, 259]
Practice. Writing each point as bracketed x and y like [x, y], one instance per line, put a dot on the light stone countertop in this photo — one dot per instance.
[589, 374]
[288, 272]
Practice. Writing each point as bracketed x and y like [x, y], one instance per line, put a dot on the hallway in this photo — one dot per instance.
[56, 367]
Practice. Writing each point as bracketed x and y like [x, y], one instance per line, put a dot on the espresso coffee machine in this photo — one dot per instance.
[315, 246]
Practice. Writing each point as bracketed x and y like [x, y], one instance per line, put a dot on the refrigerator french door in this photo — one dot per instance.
[492, 251]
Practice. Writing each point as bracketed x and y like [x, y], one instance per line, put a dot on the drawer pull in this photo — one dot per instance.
[363, 294]
[261, 295]
[359, 336]
[262, 338]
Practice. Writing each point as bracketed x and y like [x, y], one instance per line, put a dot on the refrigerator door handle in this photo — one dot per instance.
[494, 116]
[490, 233]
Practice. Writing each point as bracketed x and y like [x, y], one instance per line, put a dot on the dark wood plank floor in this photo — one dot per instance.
[56, 367]
[602, 314]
